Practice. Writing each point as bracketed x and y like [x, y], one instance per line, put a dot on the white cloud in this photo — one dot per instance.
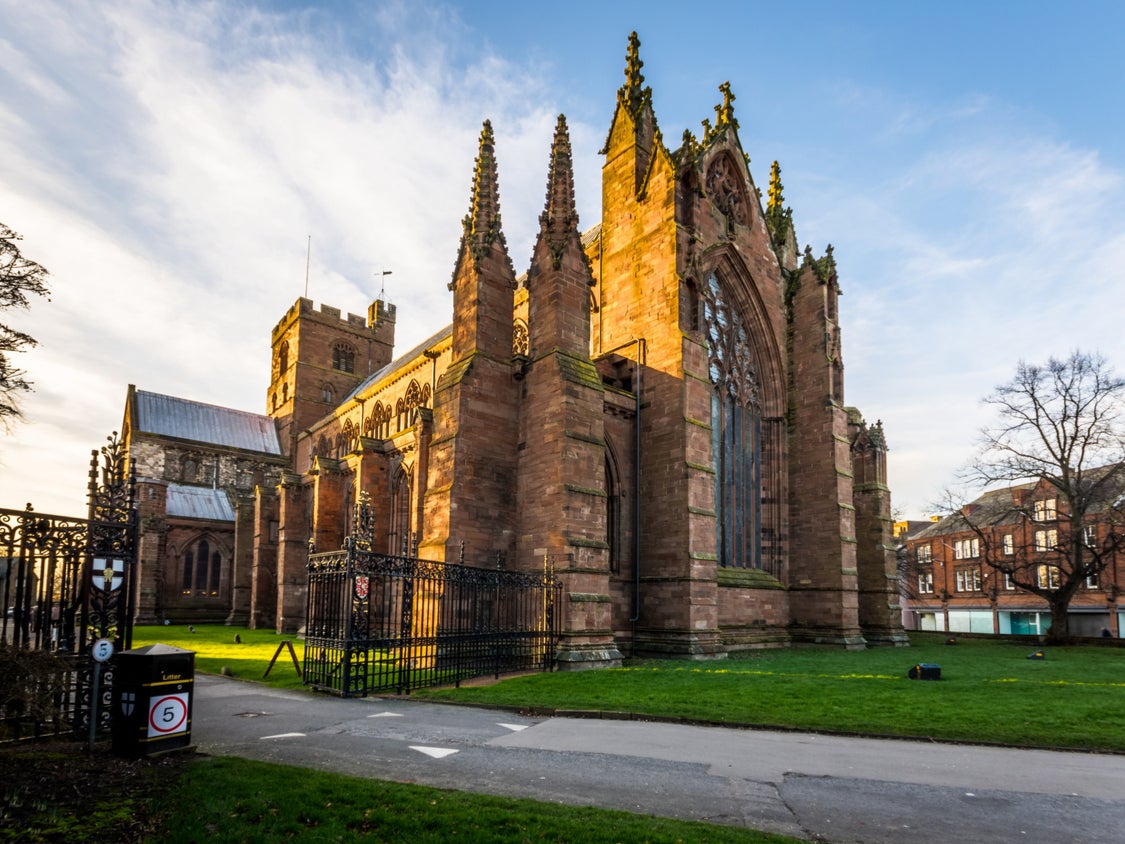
[173, 175]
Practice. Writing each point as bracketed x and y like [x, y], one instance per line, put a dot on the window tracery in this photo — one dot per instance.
[736, 433]
[724, 184]
[521, 341]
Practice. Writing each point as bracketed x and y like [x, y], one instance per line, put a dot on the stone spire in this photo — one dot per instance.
[634, 122]
[776, 200]
[558, 223]
[634, 94]
[484, 280]
[482, 223]
[779, 221]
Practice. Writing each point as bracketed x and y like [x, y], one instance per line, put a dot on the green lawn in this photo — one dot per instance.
[215, 650]
[229, 799]
[989, 690]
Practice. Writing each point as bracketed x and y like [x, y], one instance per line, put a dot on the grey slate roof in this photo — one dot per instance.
[199, 502]
[401, 361]
[191, 420]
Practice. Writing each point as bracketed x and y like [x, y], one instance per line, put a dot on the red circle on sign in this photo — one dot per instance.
[173, 700]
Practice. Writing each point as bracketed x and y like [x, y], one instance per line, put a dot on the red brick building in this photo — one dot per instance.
[964, 573]
[656, 406]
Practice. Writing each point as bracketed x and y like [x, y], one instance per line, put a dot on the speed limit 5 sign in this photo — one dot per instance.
[168, 715]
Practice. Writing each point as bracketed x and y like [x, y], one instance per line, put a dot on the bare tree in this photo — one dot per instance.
[19, 279]
[1059, 445]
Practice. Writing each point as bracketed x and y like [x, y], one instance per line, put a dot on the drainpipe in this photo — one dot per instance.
[642, 358]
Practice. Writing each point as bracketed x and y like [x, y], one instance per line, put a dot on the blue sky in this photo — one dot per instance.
[168, 161]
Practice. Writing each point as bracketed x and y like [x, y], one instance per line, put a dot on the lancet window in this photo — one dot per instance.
[343, 357]
[399, 539]
[202, 570]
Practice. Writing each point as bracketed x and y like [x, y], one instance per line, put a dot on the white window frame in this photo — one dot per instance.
[1048, 577]
[1046, 540]
[924, 554]
[1046, 510]
[1090, 536]
[968, 579]
[926, 583]
[966, 549]
[1009, 545]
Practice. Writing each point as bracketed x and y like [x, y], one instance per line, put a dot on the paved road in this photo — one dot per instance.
[809, 786]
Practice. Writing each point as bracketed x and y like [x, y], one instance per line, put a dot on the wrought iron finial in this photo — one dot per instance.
[363, 523]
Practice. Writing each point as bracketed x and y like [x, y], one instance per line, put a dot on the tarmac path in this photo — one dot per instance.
[811, 786]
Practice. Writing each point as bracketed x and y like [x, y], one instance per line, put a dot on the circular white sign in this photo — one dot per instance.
[168, 715]
[102, 650]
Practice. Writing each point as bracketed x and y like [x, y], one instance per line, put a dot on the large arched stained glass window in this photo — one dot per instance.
[735, 431]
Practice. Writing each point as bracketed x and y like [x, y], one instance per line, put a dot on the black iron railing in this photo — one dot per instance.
[64, 584]
[384, 623]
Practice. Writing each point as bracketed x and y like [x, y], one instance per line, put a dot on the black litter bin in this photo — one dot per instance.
[152, 691]
[925, 671]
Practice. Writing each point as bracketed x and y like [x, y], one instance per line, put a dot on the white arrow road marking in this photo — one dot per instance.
[513, 727]
[434, 752]
[386, 715]
[284, 735]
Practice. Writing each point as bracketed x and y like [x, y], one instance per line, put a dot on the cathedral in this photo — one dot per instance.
[655, 408]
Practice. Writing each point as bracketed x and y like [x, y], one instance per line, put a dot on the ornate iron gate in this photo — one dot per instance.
[377, 622]
[65, 583]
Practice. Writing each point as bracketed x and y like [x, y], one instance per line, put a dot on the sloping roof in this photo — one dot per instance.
[170, 416]
[401, 361]
[199, 502]
[998, 506]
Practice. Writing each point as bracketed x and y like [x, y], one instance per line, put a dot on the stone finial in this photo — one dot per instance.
[634, 91]
[877, 435]
[482, 223]
[559, 220]
[724, 113]
[776, 200]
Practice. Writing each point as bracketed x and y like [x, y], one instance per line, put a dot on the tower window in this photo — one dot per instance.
[343, 357]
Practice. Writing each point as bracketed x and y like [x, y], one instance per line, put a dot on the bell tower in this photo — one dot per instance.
[319, 358]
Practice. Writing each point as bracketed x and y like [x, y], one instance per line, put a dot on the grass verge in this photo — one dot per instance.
[227, 799]
[61, 793]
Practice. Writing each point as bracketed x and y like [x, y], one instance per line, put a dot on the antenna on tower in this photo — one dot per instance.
[308, 258]
[383, 285]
